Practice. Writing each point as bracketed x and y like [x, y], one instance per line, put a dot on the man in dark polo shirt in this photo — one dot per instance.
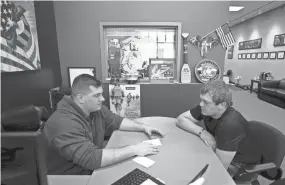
[226, 128]
[75, 132]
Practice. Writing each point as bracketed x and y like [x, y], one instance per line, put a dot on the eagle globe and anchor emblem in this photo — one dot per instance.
[207, 70]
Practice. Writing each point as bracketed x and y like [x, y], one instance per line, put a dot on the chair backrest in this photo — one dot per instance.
[271, 142]
[26, 118]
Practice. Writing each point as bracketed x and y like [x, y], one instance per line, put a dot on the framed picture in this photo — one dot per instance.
[248, 56]
[244, 56]
[230, 52]
[279, 40]
[253, 55]
[259, 55]
[19, 47]
[161, 69]
[126, 47]
[272, 55]
[239, 56]
[251, 44]
[265, 55]
[280, 54]
[75, 71]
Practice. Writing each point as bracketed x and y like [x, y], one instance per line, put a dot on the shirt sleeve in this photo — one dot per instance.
[76, 147]
[196, 112]
[111, 120]
[229, 135]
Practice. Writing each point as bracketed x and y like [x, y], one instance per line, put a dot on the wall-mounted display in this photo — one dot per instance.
[244, 56]
[279, 40]
[265, 55]
[239, 56]
[207, 70]
[253, 55]
[126, 47]
[73, 72]
[259, 56]
[19, 38]
[280, 54]
[161, 69]
[251, 44]
[248, 56]
[230, 51]
[272, 55]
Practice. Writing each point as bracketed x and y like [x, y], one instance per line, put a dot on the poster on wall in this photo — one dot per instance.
[161, 69]
[250, 44]
[19, 39]
[125, 100]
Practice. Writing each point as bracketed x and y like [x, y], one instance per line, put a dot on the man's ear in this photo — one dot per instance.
[80, 98]
[222, 105]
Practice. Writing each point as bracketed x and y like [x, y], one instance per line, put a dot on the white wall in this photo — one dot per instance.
[264, 26]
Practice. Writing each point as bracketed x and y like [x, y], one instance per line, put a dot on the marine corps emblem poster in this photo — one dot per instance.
[125, 100]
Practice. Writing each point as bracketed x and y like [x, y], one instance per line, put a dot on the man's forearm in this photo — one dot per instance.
[131, 125]
[115, 155]
[188, 125]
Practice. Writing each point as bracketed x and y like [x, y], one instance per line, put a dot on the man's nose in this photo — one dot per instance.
[201, 104]
[102, 99]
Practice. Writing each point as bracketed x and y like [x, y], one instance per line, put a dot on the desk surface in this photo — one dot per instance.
[182, 155]
[68, 179]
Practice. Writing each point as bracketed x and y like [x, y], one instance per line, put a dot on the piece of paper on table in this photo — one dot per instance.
[148, 182]
[199, 181]
[155, 142]
[144, 161]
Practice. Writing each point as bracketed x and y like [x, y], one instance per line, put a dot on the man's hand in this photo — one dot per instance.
[150, 130]
[208, 139]
[143, 149]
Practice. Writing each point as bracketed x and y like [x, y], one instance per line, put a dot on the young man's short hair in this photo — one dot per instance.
[81, 84]
[219, 91]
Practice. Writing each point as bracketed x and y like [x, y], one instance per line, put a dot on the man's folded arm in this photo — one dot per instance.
[74, 146]
[188, 123]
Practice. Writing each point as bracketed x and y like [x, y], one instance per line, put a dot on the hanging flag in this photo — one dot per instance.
[19, 51]
[225, 35]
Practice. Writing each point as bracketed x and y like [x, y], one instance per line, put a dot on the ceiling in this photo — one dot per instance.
[251, 9]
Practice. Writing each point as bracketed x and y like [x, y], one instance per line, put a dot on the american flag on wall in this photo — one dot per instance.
[225, 35]
[19, 43]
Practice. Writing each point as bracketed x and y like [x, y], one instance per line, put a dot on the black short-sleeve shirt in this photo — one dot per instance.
[230, 133]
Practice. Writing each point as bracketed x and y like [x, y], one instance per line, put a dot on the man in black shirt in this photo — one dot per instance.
[226, 128]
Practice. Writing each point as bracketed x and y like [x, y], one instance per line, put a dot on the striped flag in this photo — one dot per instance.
[18, 45]
[225, 35]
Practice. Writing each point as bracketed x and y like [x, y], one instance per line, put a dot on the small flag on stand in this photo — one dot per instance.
[225, 35]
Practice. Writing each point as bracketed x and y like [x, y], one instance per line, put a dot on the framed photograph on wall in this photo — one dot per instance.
[75, 71]
[239, 56]
[272, 55]
[253, 55]
[280, 54]
[259, 56]
[279, 40]
[248, 56]
[230, 52]
[243, 55]
[265, 55]
[126, 47]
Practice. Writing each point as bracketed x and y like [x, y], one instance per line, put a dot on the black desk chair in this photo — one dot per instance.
[26, 118]
[272, 146]
[22, 146]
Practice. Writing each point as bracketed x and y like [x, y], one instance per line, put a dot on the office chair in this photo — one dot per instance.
[22, 146]
[271, 144]
[25, 118]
